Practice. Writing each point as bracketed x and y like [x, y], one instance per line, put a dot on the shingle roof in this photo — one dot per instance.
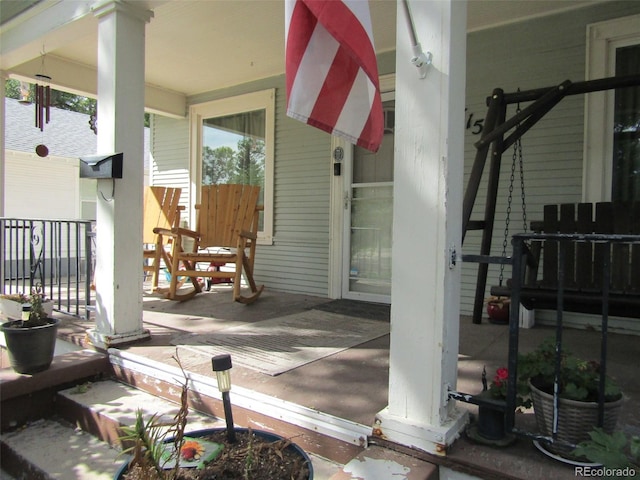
[66, 135]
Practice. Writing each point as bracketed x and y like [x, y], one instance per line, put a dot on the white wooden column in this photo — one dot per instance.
[427, 213]
[118, 277]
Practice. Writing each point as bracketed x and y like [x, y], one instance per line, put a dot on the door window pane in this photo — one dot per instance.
[626, 129]
[372, 214]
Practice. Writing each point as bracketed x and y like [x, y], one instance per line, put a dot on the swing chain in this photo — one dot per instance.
[522, 195]
[516, 157]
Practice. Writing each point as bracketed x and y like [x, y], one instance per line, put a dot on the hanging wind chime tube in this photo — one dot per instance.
[43, 102]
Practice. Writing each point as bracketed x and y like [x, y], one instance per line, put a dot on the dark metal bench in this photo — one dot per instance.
[589, 265]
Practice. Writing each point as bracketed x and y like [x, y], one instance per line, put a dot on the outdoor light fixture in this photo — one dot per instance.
[222, 366]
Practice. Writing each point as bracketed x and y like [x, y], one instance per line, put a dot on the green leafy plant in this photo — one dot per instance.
[498, 388]
[578, 379]
[37, 315]
[145, 440]
[614, 451]
[146, 443]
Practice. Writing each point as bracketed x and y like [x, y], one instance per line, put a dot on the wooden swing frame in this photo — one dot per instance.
[497, 139]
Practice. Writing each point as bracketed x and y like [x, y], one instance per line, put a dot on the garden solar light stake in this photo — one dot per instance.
[222, 366]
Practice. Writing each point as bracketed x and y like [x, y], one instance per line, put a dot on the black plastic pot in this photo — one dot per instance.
[272, 437]
[30, 349]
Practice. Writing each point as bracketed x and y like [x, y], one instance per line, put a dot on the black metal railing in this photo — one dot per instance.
[56, 254]
[610, 252]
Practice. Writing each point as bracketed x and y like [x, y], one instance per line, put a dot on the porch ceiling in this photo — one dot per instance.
[198, 46]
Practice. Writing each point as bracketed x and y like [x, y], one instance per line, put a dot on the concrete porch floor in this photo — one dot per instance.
[353, 384]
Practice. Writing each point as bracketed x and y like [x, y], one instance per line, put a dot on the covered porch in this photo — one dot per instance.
[339, 396]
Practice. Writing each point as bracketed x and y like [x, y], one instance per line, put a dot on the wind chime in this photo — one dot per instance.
[43, 105]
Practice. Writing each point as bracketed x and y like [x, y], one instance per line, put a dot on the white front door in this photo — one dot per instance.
[368, 219]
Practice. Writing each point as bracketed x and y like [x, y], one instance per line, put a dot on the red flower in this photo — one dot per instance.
[501, 376]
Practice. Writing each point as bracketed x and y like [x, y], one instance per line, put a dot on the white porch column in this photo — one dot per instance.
[427, 212]
[118, 278]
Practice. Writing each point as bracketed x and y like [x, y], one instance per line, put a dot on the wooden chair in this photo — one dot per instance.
[161, 210]
[226, 232]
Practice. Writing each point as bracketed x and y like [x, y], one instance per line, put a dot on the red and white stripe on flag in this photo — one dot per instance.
[331, 69]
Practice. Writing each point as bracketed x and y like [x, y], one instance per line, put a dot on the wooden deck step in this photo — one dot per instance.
[80, 441]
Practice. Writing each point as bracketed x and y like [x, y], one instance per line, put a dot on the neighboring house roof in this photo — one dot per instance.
[66, 135]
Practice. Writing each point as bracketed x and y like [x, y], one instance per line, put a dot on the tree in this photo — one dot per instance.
[249, 168]
[60, 99]
[217, 165]
[226, 165]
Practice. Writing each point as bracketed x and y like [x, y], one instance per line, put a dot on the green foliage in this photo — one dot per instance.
[249, 460]
[243, 165]
[612, 451]
[146, 442]
[37, 314]
[578, 379]
[60, 99]
[498, 388]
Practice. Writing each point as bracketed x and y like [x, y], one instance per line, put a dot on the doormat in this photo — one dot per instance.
[281, 344]
[357, 308]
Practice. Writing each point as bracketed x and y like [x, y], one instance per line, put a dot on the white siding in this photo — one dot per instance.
[298, 260]
[38, 187]
[170, 154]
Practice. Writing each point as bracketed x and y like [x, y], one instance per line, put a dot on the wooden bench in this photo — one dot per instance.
[582, 260]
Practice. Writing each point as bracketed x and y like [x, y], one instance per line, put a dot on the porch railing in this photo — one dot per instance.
[601, 263]
[56, 254]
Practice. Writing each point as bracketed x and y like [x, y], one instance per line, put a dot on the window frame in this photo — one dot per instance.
[603, 38]
[260, 100]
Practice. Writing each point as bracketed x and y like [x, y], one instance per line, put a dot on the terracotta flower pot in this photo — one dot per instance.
[498, 312]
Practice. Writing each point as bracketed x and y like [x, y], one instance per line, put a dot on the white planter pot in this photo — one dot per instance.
[10, 309]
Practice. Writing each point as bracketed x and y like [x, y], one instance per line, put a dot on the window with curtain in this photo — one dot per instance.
[234, 143]
[233, 150]
[626, 129]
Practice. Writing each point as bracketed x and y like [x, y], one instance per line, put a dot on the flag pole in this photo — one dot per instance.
[420, 59]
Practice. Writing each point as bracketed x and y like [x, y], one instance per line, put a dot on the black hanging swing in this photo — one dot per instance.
[498, 135]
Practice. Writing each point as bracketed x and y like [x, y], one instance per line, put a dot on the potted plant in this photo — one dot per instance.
[490, 426]
[166, 451]
[31, 339]
[578, 382]
[11, 305]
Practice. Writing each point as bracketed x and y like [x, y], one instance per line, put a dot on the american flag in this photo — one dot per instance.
[331, 69]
